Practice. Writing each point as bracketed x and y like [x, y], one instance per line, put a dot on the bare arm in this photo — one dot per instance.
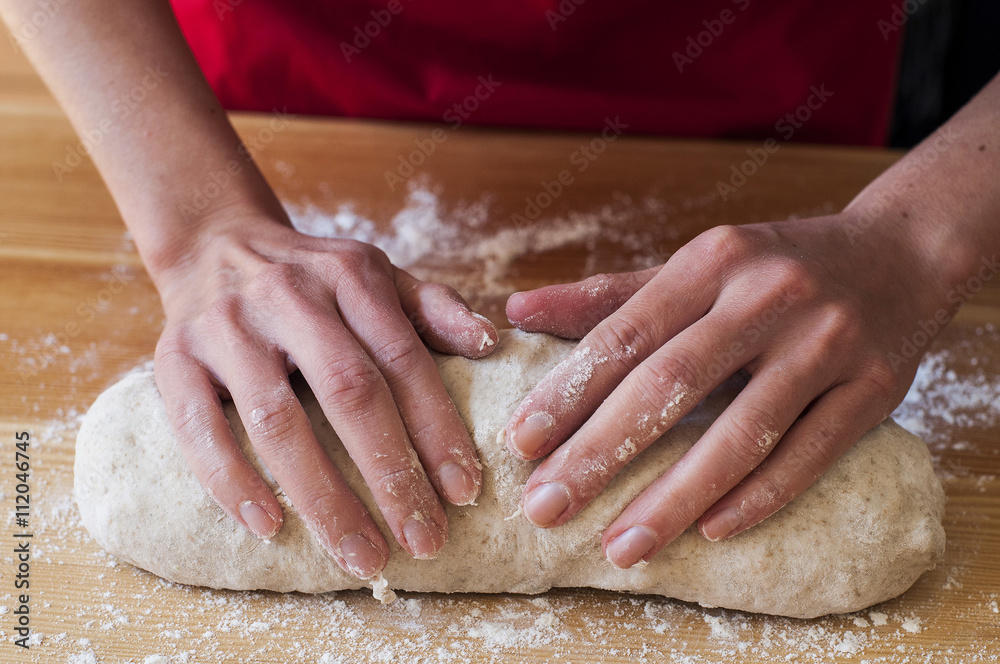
[154, 154]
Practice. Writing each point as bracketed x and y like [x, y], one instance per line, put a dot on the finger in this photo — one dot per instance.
[283, 438]
[443, 319]
[207, 443]
[650, 400]
[809, 448]
[572, 310]
[434, 426]
[573, 390]
[736, 443]
[357, 402]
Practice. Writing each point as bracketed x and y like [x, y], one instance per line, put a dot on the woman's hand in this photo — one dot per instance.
[252, 301]
[829, 315]
[248, 300]
[816, 320]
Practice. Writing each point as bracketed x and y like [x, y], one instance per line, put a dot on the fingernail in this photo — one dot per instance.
[628, 548]
[360, 555]
[531, 435]
[422, 538]
[487, 323]
[258, 520]
[546, 503]
[458, 487]
[721, 524]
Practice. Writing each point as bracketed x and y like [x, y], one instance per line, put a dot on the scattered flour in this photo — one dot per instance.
[442, 244]
[912, 625]
[956, 391]
[878, 618]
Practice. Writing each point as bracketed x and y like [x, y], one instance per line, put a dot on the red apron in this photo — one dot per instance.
[789, 69]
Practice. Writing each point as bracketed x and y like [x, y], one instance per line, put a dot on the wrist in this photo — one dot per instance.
[922, 240]
[174, 231]
[174, 247]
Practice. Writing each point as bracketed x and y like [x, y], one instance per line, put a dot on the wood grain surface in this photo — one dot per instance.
[77, 310]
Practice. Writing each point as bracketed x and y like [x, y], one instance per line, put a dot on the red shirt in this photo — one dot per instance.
[789, 69]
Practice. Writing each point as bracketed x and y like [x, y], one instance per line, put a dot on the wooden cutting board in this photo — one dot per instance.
[77, 310]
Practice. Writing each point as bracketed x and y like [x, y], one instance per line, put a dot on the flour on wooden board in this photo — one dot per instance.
[337, 629]
[124, 603]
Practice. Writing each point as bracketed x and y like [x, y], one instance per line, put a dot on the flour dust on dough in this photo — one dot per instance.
[862, 534]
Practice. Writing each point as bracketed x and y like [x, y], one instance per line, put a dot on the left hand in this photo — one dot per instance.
[814, 318]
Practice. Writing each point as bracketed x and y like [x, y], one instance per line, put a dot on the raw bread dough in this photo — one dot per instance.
[862, 534]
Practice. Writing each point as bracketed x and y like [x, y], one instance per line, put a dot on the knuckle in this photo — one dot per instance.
[767, 495]
[274, 282]
[220, 317]
[624, 337]
[192, 421]
[838, 325]
[423, 430]
[792, 280]
[352, 261]
[879, 377]
[171, 351]
[318, 499]
[399, 479]
[670, 374]
[218, 480]
[434, 290]
[749, 435]
[598, 284]
[355, 258]
[272, 417]
[400, 355]
[724, 243]
[811, 459]
[595, 463]
[346, 384]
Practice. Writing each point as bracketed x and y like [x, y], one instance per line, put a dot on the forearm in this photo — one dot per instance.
[942, 200]
[126, 78]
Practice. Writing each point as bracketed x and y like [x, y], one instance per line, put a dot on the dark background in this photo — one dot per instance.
[951, 49]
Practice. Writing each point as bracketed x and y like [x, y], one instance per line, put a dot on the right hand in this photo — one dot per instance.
[252, 300]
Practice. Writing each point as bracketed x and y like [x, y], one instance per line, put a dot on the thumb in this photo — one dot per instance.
[443, 318]
[572, 310]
